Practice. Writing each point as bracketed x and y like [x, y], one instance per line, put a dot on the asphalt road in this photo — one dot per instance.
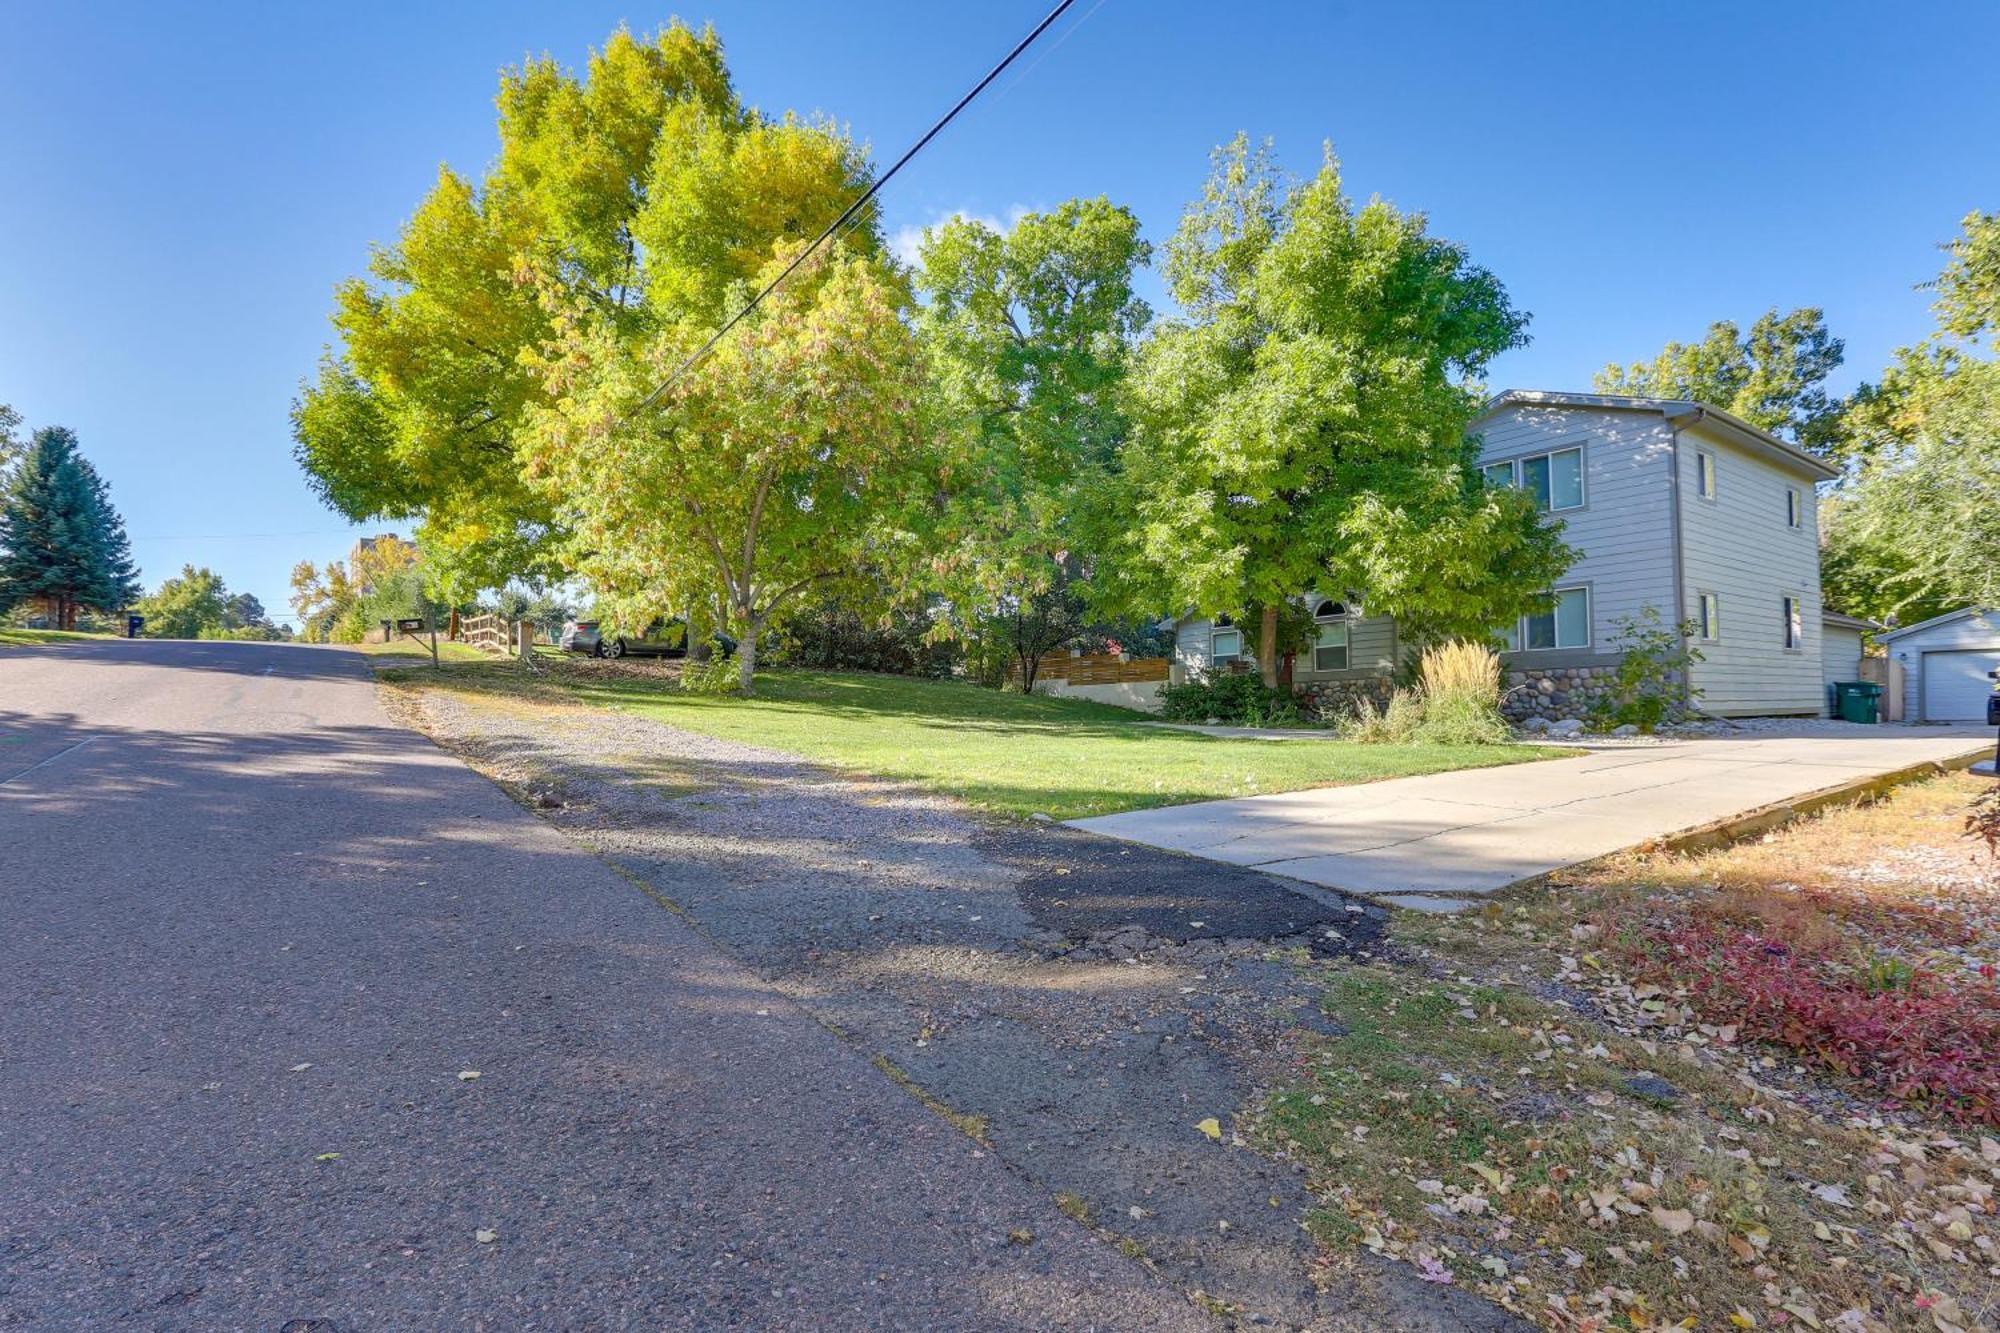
[253, 939]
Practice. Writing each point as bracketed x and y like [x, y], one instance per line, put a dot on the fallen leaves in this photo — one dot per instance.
[1673, 1221]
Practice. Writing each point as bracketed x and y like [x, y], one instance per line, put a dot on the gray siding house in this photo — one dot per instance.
[1669, 504]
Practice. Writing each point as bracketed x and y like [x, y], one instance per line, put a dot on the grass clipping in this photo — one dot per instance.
[1456, 702]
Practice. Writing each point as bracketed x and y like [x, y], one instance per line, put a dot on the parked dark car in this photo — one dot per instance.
[663, 638]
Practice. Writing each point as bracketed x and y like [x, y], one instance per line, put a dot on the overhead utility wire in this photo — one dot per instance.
[855, 207]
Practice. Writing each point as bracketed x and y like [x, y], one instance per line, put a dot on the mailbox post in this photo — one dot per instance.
[415, 625]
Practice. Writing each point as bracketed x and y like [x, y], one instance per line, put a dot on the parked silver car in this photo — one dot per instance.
[665, 637]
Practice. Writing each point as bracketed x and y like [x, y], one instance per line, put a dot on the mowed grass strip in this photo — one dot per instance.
[22, 638]
[1015, 754]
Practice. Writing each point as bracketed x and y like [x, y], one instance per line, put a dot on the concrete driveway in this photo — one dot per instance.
[1443, 841]
[304, 1025]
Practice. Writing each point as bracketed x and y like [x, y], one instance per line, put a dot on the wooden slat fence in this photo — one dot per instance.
[1097, 669]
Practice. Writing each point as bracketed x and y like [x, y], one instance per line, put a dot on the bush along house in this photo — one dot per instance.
[1669, 504]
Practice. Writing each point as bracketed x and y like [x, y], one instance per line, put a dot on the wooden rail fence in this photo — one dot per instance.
[490, 633]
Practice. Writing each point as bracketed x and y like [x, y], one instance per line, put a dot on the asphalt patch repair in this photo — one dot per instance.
[1090, 890]
[1100, 1015]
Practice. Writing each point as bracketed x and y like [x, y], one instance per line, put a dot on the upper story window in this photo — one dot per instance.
[1555, 479]
[1711, 618]
[1795, 624]
[1795, 507]
[1704, 474]
[1225, 641]
[1330, 636]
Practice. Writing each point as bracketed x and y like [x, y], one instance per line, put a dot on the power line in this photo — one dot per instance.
[854, 208]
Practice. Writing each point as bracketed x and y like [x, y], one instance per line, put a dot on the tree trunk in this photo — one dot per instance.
[1030, 667]
[746, 654]
[1267, 647]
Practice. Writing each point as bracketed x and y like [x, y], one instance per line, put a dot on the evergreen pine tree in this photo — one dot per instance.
[61, 542]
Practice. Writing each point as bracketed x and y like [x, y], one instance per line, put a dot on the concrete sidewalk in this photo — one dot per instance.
[1442, 841]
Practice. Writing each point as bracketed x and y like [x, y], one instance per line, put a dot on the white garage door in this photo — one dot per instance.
[1956, 685]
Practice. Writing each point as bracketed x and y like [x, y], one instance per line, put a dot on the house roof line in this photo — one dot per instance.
[1832, 617]
[1680, 411]
[1934, 621]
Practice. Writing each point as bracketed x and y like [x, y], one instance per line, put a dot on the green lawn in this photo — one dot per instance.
[421, 649]
[20, 638]
[1062, 757]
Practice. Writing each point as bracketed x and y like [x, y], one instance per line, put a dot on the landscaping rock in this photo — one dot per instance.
[1653, 1086]
[1629, 729]
[1535, 725]
[1569, 726]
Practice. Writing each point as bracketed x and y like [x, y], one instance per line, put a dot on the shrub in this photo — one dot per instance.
[830, 635]
[1646, 686]
[1982, 819]
[1238, 699]
[1918, 1036]
[1460, 696]
[1393, 724]
[717, 676]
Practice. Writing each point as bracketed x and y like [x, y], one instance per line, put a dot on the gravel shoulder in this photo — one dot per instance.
[1077, 1006]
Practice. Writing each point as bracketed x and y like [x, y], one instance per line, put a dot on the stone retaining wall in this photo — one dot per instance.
[1330, 700]
[1553, 692]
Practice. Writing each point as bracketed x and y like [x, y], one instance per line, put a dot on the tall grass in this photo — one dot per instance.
[1461, 695]
[1456, 702]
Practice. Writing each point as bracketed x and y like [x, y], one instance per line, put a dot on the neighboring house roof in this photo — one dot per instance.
[1935, 621]
[1846, 621]
[1679, 411]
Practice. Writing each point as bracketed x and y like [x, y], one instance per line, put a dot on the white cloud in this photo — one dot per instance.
[903, 241]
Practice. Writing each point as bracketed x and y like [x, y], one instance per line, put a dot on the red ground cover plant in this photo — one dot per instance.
[1921, 1036]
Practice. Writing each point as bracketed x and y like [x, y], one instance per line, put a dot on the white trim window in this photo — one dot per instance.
[1225, 642]
[1711, 618]
[1795, 508]
[1555, 478]
[1704, 474]
[1566, 624]
[1330, 646]
[1795, 623]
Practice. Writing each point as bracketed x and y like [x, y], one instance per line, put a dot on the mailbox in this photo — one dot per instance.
[416, 626]
[1993, 710]
[133, 625]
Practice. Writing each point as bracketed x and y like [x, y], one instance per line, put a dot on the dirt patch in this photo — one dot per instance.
[1095, 1013]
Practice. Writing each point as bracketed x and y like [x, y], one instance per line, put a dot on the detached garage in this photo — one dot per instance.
[1943, 665]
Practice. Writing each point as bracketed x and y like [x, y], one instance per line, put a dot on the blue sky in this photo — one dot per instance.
[183, 185]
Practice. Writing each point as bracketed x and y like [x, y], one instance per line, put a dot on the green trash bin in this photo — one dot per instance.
[1858, 700]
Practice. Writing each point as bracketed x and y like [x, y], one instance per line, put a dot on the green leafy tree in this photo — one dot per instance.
[422, 410]
[1027, 337]
[1914, 532]
[1774, 377]
[189, 605]
[62, 542]
[1304, 424]
[787, 460]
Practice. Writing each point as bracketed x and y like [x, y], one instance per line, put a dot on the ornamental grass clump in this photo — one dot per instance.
[1459, 695]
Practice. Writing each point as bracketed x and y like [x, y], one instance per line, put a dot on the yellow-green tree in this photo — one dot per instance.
[1303, 424]
[420, 410]
[1914, 532]
[790, 458]
[1774, 377]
